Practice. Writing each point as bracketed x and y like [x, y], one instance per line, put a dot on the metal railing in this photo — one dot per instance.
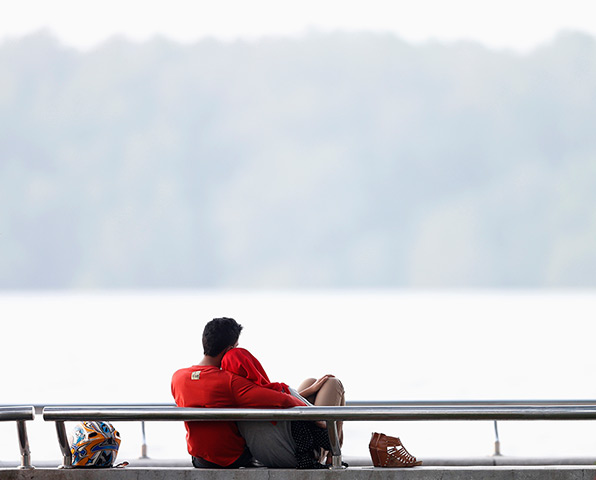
[429, 411]
[20, 415]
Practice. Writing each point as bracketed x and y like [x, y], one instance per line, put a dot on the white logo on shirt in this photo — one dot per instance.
[195, 375]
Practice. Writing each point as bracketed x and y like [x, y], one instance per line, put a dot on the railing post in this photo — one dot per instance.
[64, 446]
[24, 445]
[144, 444]
[334, 441]
[497, 452]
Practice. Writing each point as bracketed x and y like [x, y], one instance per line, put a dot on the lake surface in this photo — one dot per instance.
[106, 347]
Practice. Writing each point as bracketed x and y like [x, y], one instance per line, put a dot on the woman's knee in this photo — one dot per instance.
[332, 393]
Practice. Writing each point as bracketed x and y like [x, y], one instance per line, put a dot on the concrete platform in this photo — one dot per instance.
[567, 472]
[353, 461]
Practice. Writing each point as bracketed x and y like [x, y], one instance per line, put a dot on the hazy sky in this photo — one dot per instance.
[519, 24]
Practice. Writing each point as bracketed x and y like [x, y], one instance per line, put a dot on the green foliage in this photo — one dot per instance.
[336, 160]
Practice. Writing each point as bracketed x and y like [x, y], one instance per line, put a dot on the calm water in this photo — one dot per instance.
[384, 345]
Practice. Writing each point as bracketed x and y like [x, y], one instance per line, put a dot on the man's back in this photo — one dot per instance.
[211, 387]
[206, 386]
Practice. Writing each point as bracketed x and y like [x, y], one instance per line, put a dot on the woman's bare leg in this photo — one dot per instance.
[331, 394]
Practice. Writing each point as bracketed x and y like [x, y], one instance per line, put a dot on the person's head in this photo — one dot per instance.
[219, 335]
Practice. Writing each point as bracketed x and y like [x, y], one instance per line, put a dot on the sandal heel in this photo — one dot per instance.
[373, 449]
[389, 452]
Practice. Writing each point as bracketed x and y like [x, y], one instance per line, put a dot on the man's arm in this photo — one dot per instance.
[250, 395]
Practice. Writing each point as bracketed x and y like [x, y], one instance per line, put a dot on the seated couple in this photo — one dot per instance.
[230, 377]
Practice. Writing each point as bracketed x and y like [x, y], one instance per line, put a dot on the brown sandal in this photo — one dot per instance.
[388, 451]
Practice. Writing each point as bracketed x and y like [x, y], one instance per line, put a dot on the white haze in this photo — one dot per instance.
[503, 24]
[64, 348]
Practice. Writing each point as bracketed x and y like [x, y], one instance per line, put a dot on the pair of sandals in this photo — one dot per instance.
[387, 451]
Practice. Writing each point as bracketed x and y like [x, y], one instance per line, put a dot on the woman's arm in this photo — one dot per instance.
[315, 387]
[250, 395]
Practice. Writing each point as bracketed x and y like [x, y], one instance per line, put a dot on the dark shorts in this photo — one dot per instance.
[244, 460]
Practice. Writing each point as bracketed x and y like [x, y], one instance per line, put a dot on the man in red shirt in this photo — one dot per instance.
[219, 444]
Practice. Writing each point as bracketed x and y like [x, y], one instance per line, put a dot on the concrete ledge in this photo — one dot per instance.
[567, 472]
[353, 461]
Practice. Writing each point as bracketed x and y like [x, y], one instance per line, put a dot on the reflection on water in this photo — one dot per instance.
[384, 345]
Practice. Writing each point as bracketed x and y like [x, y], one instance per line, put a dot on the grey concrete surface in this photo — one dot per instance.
[354, 461]
[568, 472]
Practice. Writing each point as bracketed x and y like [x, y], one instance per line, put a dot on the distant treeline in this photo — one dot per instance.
[330, 160]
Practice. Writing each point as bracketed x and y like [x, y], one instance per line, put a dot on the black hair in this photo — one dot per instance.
[219, 334]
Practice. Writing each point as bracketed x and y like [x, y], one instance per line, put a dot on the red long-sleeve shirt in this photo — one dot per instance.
[211, 387]
[241, 362]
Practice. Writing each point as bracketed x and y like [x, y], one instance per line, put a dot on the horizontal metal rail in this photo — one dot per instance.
[352, 403]
[16, 413]
[329, 414]
[466, 403]
[40, 406]
[20, 415]
[384, 413]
